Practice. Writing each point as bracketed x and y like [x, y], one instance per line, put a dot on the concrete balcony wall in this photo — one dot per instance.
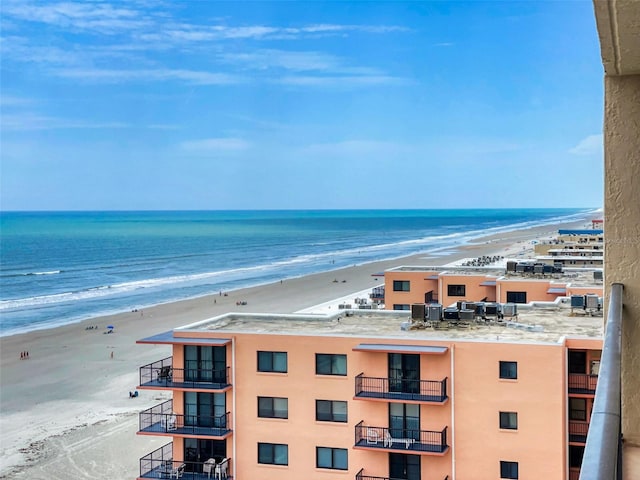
[622, 230]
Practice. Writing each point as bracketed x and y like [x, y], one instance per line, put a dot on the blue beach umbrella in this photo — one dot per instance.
[110, 327]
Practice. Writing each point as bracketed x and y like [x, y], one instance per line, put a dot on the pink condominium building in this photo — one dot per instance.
[369, 395]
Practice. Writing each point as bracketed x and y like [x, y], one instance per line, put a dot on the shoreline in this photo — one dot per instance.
[450, 249]
[66, 411]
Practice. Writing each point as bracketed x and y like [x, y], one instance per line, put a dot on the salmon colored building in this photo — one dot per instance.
[407, 285]
[361, 395]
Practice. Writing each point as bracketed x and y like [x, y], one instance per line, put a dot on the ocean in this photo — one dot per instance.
[63, 267]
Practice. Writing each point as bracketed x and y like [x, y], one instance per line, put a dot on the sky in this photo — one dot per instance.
[183, 105]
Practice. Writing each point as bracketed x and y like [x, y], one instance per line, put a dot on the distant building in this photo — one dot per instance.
[407, 285]
[363, 395]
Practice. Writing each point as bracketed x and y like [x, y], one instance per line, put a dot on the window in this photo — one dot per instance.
[509, 420]
[401, 285]
[327, 364]
[272, 362]
[578, 409]
[273, 407]
[577, 361]
[334, 458]
[516, 297]
[509, 370]
[331, 411]
[456, 290]
[576, 452]
[401, 306]
[273, 453]
[508, 469]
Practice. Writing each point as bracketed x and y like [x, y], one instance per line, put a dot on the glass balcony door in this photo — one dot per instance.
[404, 467]
[202, 409]
[404, 420]
[197, 451]
[404, 373]
[205, 364]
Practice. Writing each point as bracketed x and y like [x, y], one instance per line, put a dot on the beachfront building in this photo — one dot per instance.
[407, 285]
[572, 248]
[373, 395]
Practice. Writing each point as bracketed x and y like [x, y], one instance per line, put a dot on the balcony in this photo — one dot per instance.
[160, 420]
[578, 431]
[361, 476]
[434, 391]
[421, 442]
[160, 464]
[582, 383]
[161, 374]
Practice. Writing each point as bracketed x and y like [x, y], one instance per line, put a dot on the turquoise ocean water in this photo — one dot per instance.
[62, 267]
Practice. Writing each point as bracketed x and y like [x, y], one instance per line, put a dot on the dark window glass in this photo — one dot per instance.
[508, 469]
[273, 453]
[272, 362]
[334, 458]
[331, 364]
[401, 285]
[273, 407]
[575, 455]
[577, 361]
[509, 370]
[331, 411]
[516, 297]
[401, 306]
[509, 420]
[578, 409]
[456, 290]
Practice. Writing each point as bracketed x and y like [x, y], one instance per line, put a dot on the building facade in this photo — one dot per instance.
[354, 396]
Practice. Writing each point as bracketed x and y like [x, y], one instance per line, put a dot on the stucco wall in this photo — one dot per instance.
[622, 230]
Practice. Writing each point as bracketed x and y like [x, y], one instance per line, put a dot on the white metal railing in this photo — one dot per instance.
[602, 454]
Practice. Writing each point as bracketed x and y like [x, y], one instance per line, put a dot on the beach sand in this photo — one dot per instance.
[66, 411]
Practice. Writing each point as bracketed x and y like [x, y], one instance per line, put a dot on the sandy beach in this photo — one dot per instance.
[66, 412]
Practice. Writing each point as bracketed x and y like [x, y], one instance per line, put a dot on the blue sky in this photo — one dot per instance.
[280, 105]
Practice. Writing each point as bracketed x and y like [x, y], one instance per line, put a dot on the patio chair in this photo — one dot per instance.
[222, 469]
[372, 436]
[178, 472]
[209, 467]
[164, 374]
[172, 422]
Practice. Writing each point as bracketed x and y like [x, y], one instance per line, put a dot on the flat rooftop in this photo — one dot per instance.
[577, 277]
[533, 325]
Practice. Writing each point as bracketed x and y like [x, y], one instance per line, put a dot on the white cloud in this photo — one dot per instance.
[591, 145]
[31, 121]
[359, 147]
[194, 77]
[212, 145]
[93, 16]
[341, 81]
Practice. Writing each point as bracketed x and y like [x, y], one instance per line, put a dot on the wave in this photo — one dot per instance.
[321, 261]
[27, 274]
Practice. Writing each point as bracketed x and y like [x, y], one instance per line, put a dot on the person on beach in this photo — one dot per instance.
[21, 355]
[112, 355]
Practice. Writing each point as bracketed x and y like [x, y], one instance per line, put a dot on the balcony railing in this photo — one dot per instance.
[162, 374]
[405, 440]
[578, 431]
[161, 420]
[377, 293]
[582, 383]
[403, 390]
[160, 464]
[602, 458]
[361, 476]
